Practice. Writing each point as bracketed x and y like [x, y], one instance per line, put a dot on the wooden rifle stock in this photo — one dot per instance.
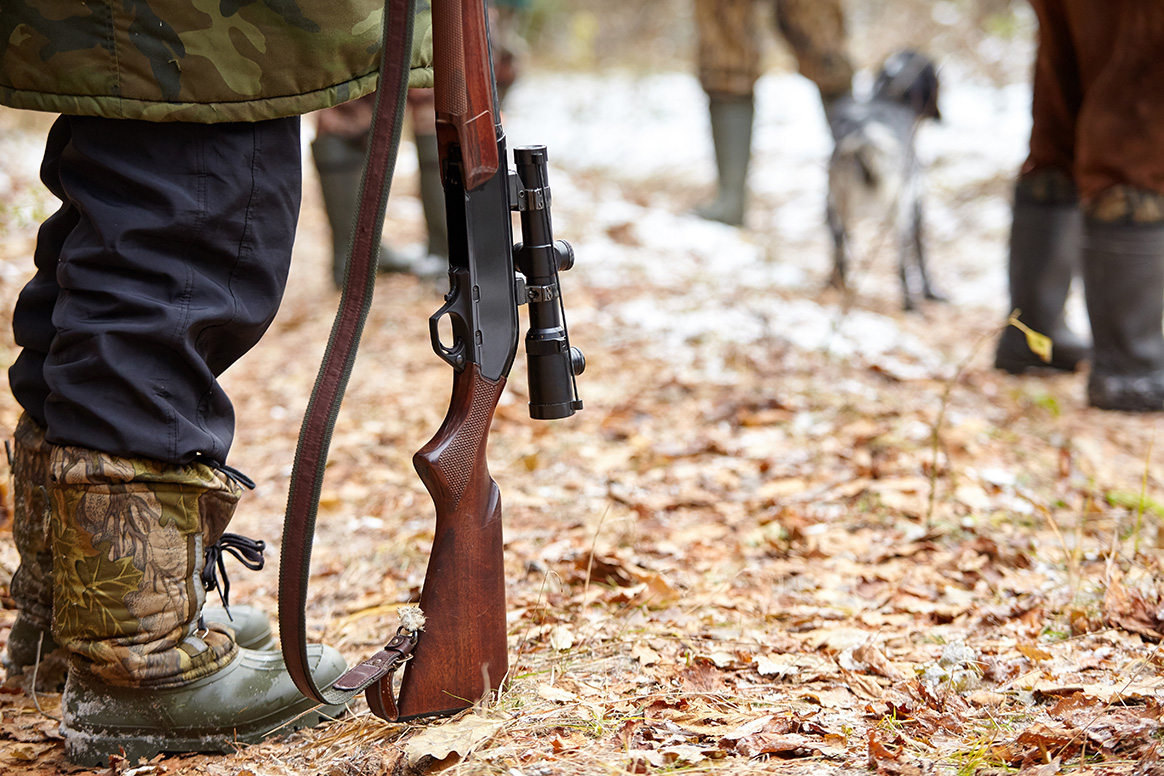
[464, 653]
[464, 88]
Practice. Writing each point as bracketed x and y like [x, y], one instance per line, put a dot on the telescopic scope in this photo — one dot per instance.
[552, 364]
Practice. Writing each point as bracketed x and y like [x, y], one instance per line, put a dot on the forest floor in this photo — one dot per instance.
[789, 533]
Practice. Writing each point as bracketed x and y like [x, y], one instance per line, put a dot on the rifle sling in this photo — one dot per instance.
[336, 368]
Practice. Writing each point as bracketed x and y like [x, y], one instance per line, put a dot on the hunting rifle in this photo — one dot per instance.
[462, 654]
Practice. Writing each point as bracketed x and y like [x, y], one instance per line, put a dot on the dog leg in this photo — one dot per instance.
[904, 222]
[904, 248]
[918, 231]
[837, 227]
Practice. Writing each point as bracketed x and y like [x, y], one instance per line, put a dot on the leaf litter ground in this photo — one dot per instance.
[790, 532]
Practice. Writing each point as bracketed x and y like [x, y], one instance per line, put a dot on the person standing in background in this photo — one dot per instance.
[1092, 191]
[341, 143]
[729, 66]
[340, 146]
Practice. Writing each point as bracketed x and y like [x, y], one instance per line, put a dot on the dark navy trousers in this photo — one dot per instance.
[165, 263]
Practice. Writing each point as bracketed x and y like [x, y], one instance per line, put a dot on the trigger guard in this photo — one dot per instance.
[454, 355]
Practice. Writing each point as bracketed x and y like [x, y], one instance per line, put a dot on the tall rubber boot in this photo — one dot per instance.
[731, 134]
[1123, 272]
[432, 195]
[1045, 241]
[144, 676]
[339, 161]
[32, 583]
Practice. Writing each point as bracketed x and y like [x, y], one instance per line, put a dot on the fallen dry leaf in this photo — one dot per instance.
[556, 694]
[784, 745]
[460, 736]
[1133, 610]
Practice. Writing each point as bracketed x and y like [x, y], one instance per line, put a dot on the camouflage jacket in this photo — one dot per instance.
[201, 61]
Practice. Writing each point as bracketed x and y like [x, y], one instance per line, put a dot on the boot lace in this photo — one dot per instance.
[231, 473]
[247, 551]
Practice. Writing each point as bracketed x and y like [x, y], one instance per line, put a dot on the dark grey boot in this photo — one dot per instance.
[1123, 271]
[340, 164]
[1044, 255]
[432, 195]
[731, 133]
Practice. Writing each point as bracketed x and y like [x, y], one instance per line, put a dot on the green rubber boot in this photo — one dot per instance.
[128, 539]
[340, 164]
[247, 701]
[731, 134]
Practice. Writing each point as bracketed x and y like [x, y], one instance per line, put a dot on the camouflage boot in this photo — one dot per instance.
[32, 584]
[128, 539]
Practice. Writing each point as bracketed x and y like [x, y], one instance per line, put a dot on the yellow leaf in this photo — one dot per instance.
[24, 752]
[1040, 344]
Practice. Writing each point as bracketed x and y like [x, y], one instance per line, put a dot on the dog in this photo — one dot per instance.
[874, 171]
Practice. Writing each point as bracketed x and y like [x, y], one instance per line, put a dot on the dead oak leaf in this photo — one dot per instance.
[787, 745]
[556, 694]
[1037, 743]
[749, 728]
[687, 754]
[25, 752]
[881, 751]
[461, 736]
[869, 659]
[1033, 652]
[1121, 730]
[644, 654]
[1109, 728]
[702, 677]
[1132, 610]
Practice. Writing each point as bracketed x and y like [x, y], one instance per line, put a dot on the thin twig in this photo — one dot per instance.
[35, 671]
[593, 547]
[936, 436]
